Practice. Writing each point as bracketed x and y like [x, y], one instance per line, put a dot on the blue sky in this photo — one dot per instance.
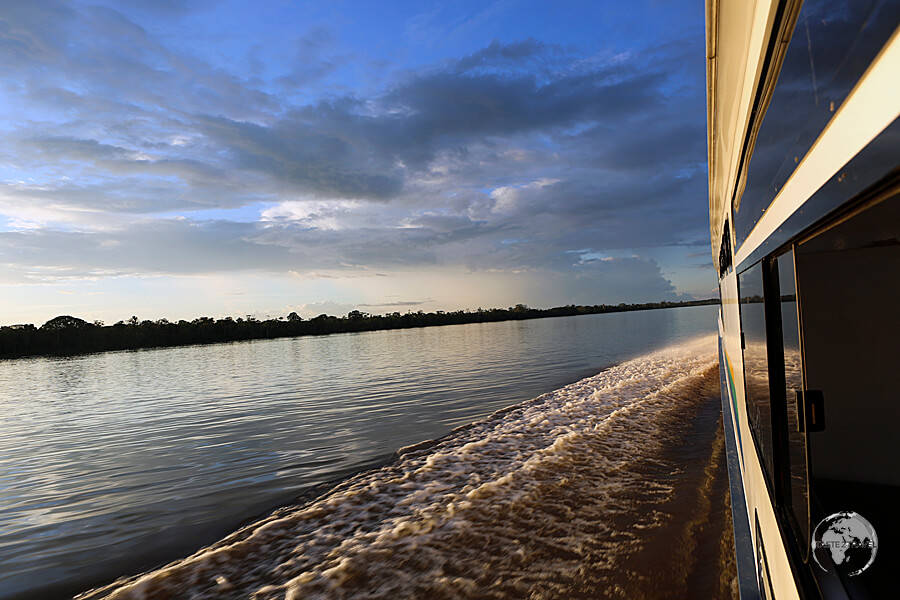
[170, 159]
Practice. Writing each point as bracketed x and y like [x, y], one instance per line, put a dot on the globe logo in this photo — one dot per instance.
[844, 543]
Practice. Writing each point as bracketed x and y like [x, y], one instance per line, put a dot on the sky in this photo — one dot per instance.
[173, 159]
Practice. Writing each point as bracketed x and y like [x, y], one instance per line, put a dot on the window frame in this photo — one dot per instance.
[774, 485]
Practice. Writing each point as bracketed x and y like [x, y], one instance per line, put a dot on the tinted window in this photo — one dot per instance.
[833, 43]
[756, 368]
[798, 490]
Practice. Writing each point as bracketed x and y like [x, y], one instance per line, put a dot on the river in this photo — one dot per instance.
[114, 463]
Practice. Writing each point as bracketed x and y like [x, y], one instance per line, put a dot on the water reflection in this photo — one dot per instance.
[756, 368]
[832, 45]
[115, 462]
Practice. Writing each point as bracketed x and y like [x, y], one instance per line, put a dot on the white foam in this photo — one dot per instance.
[534, 482]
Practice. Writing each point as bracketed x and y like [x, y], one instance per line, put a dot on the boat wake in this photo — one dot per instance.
[560, 496]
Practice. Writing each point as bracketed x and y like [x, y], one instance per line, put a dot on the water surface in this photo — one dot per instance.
[112, 463]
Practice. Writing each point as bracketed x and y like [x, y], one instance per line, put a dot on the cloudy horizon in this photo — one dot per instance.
[226, 159]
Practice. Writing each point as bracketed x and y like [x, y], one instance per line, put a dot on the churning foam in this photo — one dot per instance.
[527, 502]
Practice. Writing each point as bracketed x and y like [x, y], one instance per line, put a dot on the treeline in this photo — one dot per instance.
[65, 335]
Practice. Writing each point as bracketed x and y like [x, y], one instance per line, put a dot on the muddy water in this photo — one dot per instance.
[688, 549]
[119, 462]
[614, 486]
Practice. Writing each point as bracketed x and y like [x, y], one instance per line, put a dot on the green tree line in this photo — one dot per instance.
[65, 335]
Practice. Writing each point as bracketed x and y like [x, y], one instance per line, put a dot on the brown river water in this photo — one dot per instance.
[611, 487]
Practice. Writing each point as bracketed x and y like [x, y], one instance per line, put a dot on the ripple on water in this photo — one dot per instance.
[538, 499]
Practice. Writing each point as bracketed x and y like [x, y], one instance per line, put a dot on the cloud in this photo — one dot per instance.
[314, 309]
[507, 159]
[32, 32]
[499, 55]
[620, 278]
[438, 26]
[315, 214]
[306, 154]
[398, 303]
[317, 56]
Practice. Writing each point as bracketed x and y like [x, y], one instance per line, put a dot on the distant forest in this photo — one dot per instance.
[65, 335]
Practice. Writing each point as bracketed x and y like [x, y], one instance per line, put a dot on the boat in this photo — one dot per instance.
[803, 101]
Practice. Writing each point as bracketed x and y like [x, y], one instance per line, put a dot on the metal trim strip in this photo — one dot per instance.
[745, 556]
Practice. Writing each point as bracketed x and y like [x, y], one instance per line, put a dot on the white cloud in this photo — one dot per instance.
[313, 214]
[507, 198]
[314, 309]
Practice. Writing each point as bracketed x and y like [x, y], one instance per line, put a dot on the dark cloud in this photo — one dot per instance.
[448, 109]
[645, 144]
[511, 158]
[294, 152]
[500, 55]
[397, 303]
[345, 147]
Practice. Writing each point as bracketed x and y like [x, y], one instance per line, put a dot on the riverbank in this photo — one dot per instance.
[67, 336]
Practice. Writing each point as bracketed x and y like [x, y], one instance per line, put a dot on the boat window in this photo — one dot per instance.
[797, 489]
[763, 575]
[848, 289]
[756, 373]
[847, 286]
[832, 44]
